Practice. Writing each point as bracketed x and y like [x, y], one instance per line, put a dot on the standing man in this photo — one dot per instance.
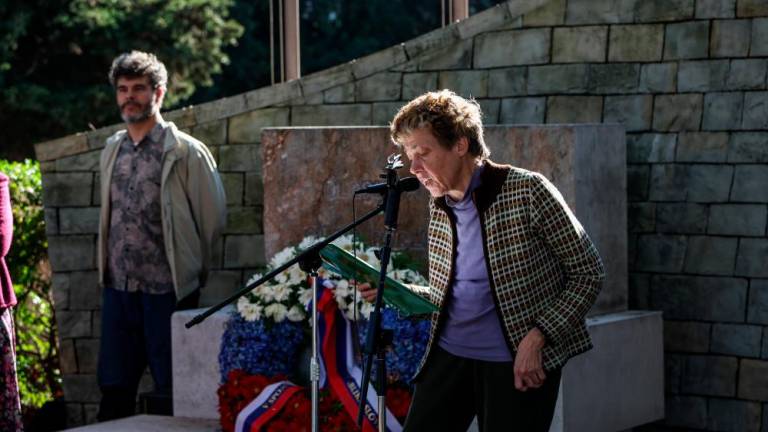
[162, 209]
[510, 267]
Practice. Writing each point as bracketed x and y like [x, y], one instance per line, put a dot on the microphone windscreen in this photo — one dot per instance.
[408, 184]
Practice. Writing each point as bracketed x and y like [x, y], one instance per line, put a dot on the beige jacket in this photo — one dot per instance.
[193, 208]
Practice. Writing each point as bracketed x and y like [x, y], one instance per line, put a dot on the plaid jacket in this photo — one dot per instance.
[542, 267]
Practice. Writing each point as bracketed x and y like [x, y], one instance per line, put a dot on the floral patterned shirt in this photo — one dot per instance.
[136, 259]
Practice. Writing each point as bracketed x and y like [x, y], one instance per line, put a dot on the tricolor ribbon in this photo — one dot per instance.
[267, 405]
[339, 367]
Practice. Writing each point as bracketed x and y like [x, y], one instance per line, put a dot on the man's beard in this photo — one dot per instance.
[146, 112]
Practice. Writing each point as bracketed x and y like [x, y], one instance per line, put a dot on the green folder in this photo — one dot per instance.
[396, 294]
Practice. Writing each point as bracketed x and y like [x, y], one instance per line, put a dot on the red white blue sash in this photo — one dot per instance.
[339, 369]
[266, 406]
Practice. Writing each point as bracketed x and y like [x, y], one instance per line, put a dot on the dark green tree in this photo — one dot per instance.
[55, 54]
[249, 64]
[332, 32]
[337, 31]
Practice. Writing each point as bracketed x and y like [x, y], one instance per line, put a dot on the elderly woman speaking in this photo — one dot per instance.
[511, 268]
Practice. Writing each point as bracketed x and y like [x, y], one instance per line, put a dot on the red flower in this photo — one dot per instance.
[277, 425]
[398, 402]
[237, 392]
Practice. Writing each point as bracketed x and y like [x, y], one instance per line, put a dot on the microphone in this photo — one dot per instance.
[407, 184]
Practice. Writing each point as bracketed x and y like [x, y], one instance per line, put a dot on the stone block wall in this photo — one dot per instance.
[687, 79]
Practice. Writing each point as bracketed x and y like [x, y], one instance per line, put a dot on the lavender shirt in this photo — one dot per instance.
[472, 328]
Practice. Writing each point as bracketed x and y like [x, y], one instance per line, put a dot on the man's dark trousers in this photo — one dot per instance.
[135, 333]
[451, 390]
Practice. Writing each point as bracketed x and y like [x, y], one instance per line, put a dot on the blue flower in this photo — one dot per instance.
[409, 341]
[260, 348]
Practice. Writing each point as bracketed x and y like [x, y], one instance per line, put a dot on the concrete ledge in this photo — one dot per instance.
[153, 423]
[196, 363]
[619, 384]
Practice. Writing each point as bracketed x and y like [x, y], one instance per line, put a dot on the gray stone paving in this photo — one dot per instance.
[152, 423]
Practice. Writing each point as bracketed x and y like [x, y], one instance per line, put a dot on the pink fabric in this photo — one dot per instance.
[10, 407]
[7, 296]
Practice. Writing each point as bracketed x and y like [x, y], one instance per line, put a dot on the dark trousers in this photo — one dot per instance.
[452, 390]
[135, 333]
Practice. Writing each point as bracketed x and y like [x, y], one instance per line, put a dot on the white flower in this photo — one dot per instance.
[282, 257]
[362, 310]
[258, 311]
[242, 303]
[366, 309]
[282, 277]
[369, 256]
[344, 242]
[265, 293]
[249, 311]
[296, 313]
[341, 302]
[419, 279]
[286, 297]
[276, 311]
[280, 292]
[407, 276]
[307, 242]
[254, 277]
[295, 275]
[343, 288]
[305, 296]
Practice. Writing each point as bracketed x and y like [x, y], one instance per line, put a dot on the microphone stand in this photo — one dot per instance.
[376, 340]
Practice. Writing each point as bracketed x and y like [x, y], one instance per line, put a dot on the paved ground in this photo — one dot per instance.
[152, 423]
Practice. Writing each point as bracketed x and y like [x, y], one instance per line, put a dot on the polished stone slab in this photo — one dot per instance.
[310, 175]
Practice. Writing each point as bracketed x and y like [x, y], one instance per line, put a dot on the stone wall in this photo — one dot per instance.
[687, 78]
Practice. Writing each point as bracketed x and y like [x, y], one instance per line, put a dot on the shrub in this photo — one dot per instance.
[37, 350]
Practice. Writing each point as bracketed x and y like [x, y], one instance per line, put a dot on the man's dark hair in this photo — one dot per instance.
[136, 64]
